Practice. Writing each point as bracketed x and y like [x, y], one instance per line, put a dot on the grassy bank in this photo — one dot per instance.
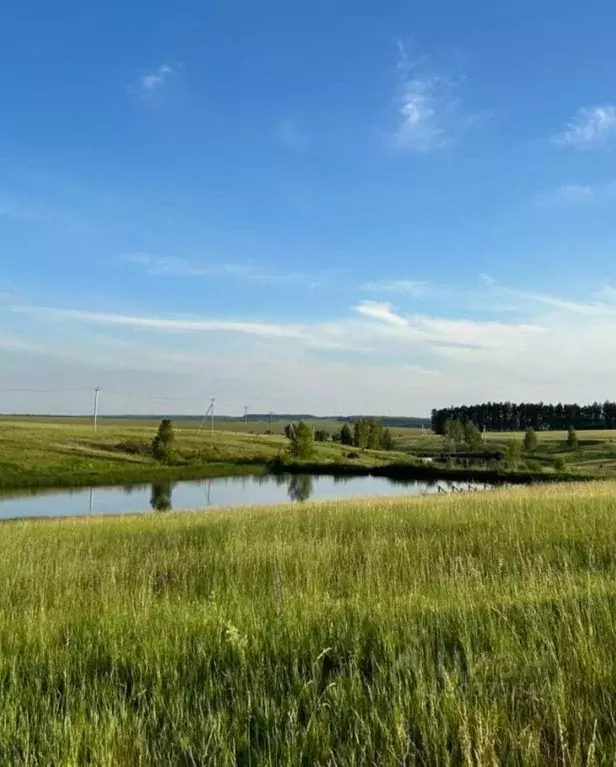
[474, 629]
[432, 472]
[49, 454]
[54, 453]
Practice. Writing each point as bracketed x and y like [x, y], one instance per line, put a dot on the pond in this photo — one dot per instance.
[221, 491]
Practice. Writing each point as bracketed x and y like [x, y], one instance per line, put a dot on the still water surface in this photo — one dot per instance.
[221, 491]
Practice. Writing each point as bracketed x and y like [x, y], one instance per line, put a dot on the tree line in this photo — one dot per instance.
[366, 433]
[509, 416]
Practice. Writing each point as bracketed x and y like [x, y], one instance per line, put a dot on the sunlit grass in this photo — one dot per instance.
[475, 629]
[46, 453]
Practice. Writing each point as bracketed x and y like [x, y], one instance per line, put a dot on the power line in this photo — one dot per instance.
[42, 391]
[133, 395]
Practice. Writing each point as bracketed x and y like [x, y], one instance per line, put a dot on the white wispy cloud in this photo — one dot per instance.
[373, 356]
[173, 266]
[41, 212]
[575, 194]
[429, 107]
[150, 82]
[414, 288]
[381, 311]
[566, 194]
[599, 304]
[589, 127]
[606, 295]
[167, 266]
[371, 326]
[265, 330]
[290, 135]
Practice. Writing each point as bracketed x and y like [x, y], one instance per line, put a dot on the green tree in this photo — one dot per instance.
[472, 436]
[321, 435]
[513, 453]
[560, 463]
[387, 441]
[302, 443]
[346, 435]
[572, 439]
[530, 440]
[361, 433]
[162, 444]
[454, 435]
[374, 434]
[289, 429]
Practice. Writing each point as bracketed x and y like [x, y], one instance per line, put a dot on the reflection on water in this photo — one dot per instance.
[164, 495]
[160, 497]
[300, 487]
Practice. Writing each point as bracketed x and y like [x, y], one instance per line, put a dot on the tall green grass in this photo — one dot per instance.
[475, 629]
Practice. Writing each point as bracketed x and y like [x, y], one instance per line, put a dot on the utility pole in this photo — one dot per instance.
[207, 412]
[212, 419]
[96, 393]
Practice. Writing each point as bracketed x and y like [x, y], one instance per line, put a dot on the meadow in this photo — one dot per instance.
[467, 629]
[65, 452]
[55, 452]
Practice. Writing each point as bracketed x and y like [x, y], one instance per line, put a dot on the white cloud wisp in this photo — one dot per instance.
[375, 357]
[590, 127]
[151, 82]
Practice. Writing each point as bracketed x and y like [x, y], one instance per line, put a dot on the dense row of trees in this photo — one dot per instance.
[509, 416]
[461, 434]
[368, 433]
[365, 433]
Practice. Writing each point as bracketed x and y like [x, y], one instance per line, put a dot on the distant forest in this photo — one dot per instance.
[412, 422]
[509, 416]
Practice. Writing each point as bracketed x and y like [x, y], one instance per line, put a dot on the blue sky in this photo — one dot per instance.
[327, 207]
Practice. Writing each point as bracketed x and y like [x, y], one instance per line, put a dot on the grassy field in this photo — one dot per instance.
[47, 452]
[596, 452]
[468, 629]
[50, 453]
[220, 424]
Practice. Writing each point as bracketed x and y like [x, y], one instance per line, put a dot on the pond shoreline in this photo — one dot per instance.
[82, 479]
[144, 475]
[404, 471]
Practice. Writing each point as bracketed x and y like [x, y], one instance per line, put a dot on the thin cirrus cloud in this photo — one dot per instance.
[381, 311]
[575, 194]
[602, 303]
[414, 288]
[430, 110]
[590, 127]
[189, 325]
[173, 266]
[566, 194]
[370, 326]
[151, 82]
[380, 355]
